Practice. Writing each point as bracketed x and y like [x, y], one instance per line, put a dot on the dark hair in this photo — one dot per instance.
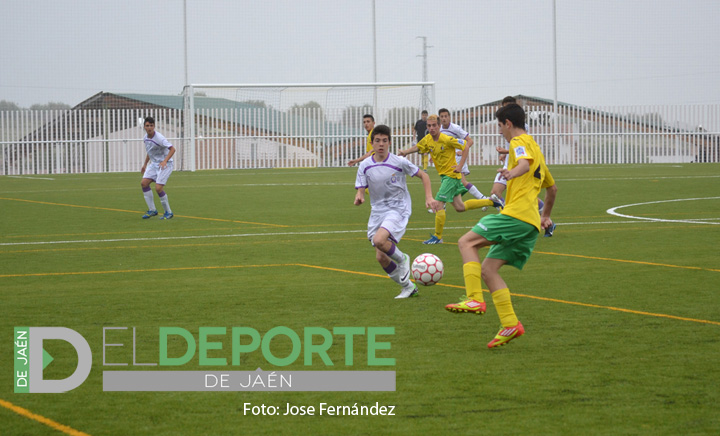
[382, 129]
[512, 112]
[508, 99]
[443, 110]
[424, 112]
[150, 120]
[369, 116]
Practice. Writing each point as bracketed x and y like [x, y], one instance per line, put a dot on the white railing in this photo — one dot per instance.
[97, 141]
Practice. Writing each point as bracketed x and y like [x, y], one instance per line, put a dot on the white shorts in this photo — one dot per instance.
[393, 222]
[159, 176]
[465, 169]
[499, 178]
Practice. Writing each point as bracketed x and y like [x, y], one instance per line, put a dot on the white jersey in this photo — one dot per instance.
[387, 183]
[457, 132]
[157, 147]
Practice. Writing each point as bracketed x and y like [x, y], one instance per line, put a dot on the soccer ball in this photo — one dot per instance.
[427, 269]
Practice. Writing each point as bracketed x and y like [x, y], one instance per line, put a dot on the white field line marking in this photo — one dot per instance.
[612, 211]
[248, 235]
[28, 177]
[235, 185]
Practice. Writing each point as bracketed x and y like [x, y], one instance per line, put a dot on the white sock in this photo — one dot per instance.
[395, 254]
[475, 192]
[165, 203]
[395, 275]
[149, 199]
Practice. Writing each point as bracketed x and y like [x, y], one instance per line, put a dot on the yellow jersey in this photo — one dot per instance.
[442, 152]
[522, 192]
[369, 146]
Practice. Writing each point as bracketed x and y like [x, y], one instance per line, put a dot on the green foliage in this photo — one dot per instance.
[622, 315]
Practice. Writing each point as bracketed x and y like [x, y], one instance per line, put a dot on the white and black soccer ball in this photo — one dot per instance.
[427, 269]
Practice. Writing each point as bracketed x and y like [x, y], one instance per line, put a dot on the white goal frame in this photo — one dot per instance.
[428, 91]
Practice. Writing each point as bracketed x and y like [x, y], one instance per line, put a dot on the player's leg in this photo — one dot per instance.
[388, 249]
[149, 177]
[475, 192]
[163, 176]
[511, 326]
[473, 301]
[424, 161]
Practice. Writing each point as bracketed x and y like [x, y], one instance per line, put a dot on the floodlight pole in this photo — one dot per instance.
[555, 79]
[375, 114]
[425, 102]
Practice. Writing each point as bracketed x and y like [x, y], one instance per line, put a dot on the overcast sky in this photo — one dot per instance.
[609, 52]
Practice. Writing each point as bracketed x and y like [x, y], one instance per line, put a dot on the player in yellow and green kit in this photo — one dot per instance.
[442, 150]
[511, 234]
[369, 125]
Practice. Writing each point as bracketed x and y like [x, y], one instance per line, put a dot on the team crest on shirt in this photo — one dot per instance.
[520, 151]
[393, 178]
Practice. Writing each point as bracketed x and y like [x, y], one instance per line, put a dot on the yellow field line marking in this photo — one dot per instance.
[554, 300]
[196, 268]
[638, 262]
[134, 211]
[209, 244]
[187, 268]
[41, 419]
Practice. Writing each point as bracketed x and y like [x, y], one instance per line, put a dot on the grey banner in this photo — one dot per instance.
[159, 381]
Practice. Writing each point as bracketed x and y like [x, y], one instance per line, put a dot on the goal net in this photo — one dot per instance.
[295, 125]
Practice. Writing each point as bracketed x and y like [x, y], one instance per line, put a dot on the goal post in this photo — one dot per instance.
[295, 124]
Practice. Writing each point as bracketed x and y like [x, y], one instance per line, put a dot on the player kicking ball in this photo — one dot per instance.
[385, 175]
[511, 234]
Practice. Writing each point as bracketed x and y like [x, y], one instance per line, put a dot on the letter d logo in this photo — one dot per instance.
[37, 335]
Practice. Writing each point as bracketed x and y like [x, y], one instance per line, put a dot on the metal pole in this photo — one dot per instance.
[555, 80]
[425, 99]
[185, 40]
[374, 60]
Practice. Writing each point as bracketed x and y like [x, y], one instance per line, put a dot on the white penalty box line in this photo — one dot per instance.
[249, 235]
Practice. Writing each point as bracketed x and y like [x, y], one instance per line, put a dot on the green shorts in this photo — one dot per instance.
[449, 188]
[514, 239]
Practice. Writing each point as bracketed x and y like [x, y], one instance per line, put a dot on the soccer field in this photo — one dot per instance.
[621, 311]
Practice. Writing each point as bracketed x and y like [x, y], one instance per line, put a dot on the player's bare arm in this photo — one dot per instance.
[359, 197]
[522, 167]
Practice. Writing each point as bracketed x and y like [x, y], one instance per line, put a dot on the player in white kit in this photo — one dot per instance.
[159, 155]
[385, 175]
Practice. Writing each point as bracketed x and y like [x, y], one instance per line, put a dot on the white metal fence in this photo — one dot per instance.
[97, 141]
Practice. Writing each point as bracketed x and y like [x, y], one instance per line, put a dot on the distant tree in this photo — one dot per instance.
[200, 94]
[402, 116]
[9, 106]
[256, 103]
[352, 115]
[53, 105]
[314, 108]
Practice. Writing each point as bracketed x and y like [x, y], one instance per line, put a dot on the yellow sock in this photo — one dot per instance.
[477, 204]
[424, 161]
[473, 282]
[439, 223]
[503, 305]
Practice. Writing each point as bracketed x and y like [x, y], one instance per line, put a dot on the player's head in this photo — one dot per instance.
[507, 100]
[381, 137]
[433, 125]
[368, 122]
[149, 125]
[509, 116]
[424, 115]
[444, 117]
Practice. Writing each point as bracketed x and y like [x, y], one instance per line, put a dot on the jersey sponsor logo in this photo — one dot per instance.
[520, 151]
